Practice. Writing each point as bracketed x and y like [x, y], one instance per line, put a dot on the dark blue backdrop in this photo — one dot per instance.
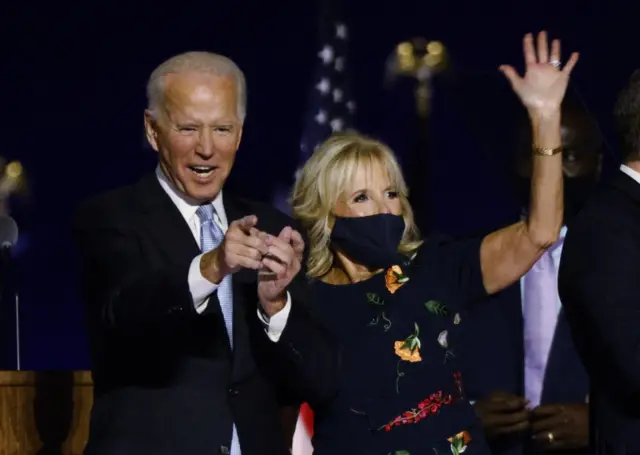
[73, 94]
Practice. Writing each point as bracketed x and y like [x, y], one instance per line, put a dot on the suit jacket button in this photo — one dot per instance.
[233, 392]
[224, 450]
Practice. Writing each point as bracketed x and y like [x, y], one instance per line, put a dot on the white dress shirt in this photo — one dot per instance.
[635, 175]
[555, 256]
[557, 252]
[200, 287]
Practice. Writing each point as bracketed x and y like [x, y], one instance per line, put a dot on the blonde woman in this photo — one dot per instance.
[393, 298]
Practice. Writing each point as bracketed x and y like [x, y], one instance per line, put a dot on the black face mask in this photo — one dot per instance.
[576, 192]
[370, 240]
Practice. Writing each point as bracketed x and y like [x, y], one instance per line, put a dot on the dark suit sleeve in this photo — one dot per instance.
[306, 358]
[123, 290]
[311, 355]
[599, 285]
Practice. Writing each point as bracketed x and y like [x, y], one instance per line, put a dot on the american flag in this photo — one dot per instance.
[331, 109]
[331, 104]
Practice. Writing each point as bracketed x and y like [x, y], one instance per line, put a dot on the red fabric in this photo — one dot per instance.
[307, 417]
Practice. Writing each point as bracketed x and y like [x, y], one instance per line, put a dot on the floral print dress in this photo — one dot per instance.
[401, 392]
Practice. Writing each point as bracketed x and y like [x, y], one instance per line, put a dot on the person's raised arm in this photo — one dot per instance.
[507, 254]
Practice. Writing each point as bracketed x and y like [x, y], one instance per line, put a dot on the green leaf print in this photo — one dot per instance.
[457, 447]
[412, 342]
[374, 299]
[436, 307]
[401, 279]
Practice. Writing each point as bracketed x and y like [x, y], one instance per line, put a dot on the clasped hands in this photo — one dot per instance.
[551, 426]
[277, 259]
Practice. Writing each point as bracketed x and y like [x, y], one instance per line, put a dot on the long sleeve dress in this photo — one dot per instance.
[401, 392]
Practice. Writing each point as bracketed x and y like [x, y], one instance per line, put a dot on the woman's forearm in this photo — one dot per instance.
[507, 254]
[546, 206]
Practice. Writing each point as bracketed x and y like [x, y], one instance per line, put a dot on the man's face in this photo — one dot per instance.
[581, 163]
[581, 150]
[197, 132]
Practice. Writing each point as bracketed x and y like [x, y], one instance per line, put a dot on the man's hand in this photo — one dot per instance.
[239, 249]
[502, 414]
[280, 265]
[561, 426]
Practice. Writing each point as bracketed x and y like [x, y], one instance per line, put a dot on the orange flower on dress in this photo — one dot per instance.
[395, 278]
[459, 442]
[407, 354]
[409, 349]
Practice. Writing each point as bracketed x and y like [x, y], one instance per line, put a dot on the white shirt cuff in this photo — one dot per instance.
[200, 287]
[274, 325]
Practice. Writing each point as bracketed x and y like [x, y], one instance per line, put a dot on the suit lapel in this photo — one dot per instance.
[565, 378]
[626, 184]
[165, 223]
[244, 299]
[516, 327]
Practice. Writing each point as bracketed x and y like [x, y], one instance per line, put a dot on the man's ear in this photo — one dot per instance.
[151, 130]
[240, 136]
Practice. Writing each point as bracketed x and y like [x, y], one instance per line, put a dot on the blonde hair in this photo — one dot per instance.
[326, 176]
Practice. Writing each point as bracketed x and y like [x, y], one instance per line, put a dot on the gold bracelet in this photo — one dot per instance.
[545, 151]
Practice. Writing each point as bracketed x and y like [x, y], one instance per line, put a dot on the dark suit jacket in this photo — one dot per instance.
[599, 286]
[493, 359]
[166, 381]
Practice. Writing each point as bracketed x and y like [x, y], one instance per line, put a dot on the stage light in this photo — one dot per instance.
[14, 170]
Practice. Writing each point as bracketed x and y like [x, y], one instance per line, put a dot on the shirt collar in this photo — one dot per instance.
[635, 175]
[563, 232]
[561, 236]
[185, 204]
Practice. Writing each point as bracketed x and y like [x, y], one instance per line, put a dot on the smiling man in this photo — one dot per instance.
[197, 320]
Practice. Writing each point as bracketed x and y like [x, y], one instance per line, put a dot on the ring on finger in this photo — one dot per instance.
[555, 63]
[550, 437]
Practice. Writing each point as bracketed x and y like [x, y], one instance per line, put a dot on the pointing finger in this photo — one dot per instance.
[245, 224]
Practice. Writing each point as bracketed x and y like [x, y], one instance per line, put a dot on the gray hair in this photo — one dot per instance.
[199, 62]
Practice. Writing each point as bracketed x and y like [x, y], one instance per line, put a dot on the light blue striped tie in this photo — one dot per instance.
[211, 236]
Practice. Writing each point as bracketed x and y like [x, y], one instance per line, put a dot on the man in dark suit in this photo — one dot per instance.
[599, 286]
[521, 367]
[195, 299]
